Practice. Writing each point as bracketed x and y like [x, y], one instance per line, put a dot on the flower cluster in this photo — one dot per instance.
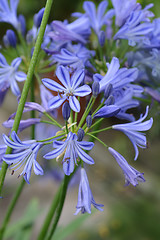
[94, 74]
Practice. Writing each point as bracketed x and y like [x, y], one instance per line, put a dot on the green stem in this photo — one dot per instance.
[76, 113]
[48, 139]
[60, 206]
[101, 130]
[53, 120]
[50, 215]
[105, 145]
[72, 127]
[97, 122]
[11, 207]
[66, 127]
[27, 84]
[85, 114]
[46, 70]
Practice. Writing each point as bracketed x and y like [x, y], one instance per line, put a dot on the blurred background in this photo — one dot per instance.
[129, 213]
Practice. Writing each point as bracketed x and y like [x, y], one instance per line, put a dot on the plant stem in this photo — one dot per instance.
[101, 130]
[27, 84]
[48, 139]
[11, 207]
[53, 120]
[60, 206]
[105, 145]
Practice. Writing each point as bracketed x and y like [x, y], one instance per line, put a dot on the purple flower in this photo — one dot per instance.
[131, 174]
[78, 31]
[136, 27]
[85, 197]
[8, 12]
[71, 148]
[107, 111]
[123, 8]
[133, 131]
[115, 76]
[75, 56]
[26, 152]
[70, 89]
[9, 74]
[97, 18]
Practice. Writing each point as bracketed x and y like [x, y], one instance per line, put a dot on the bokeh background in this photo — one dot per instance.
[129, 213]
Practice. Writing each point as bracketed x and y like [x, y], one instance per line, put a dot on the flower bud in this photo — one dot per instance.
[11, 36]
[95, 88]
[5, 41]
[22, 24]
[102, 38]
[66, 110]
[38, 18]
[110, 100]
[108, 90]
[89, 121]
[80, 134]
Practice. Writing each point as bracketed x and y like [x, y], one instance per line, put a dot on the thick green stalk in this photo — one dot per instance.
[60, 206]
[11, 207]
[27, 84]
[50, 215]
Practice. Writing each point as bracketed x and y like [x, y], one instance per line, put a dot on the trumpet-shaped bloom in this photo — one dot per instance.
[85, 197]
[133, 131]
[131, 174]
[115, 76]
[136, 27]
[8, 12]
[69, 90]
[72, 149]
[9, 74]
[25, 153]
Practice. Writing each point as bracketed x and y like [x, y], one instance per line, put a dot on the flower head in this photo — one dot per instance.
[72, 149]
[133, 131]
[9, 74]
[25, 152]
[85, 197]
[69, 90]
[131, 174]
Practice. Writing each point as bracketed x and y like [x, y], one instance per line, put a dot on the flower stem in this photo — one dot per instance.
[48, 139]
[11, 207]
[27, 84]
[53, 120]
[60, 206]
[101, 130]
[105, 145]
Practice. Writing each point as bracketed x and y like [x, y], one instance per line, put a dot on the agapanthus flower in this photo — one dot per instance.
[85, 197]
[123, 8]
[78, 30]
[115, 76]
[107, 111]
[133, 131]
[9, 75]
[97, 18]
[132, 176]
[8, 12]
[25, 153]
[75, 56]
[71, 149]
[137, 27]
[69, 90]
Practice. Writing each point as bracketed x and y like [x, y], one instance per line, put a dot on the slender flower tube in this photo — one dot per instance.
[133, 131]
[25, 152]
[85, 197]
[72, 149]
[131, 174]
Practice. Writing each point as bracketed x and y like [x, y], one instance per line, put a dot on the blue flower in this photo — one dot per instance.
[74, 56]
[132, 176]
[70, 89]
[25, 152]
[123, 8]
[107, 111]
[8, 12]
[136, 27]
[85, 197]
[9, 74]
[133, 131]
[97, 18]
[71, 148]
[115, 76]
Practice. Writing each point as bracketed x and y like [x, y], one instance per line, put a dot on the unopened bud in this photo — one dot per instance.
[80, 134]
[102, 38]
[66, 110]
[108, 90]
[11, 36]
[22, 24]
[95, 88]
[38, 18]
[110, 100]
[89, 121]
